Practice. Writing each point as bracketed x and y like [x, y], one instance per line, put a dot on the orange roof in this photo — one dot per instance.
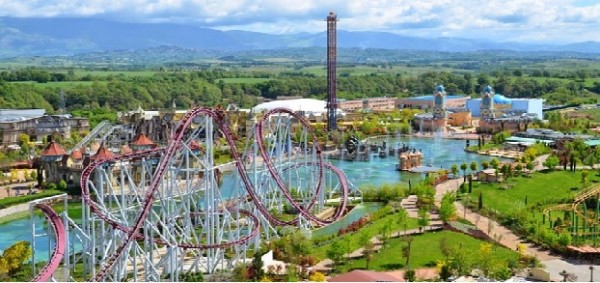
[194, 145]
[365, 276]
[142, 140]
[53, 149]
[125, 149]
[103, 153]
[76, 154]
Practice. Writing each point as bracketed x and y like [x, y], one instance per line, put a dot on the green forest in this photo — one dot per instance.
[39, 88]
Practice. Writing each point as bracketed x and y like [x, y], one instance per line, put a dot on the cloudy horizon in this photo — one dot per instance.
[542, 21]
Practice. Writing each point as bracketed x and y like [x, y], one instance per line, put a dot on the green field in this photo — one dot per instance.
[81, 73]
[373, 229]
[542, 187]
[426, 251]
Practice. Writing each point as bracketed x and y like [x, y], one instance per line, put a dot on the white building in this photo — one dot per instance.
[306, 105]
[506, 105]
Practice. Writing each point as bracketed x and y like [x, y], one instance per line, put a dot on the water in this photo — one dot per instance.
[20, 230]
[438, 152]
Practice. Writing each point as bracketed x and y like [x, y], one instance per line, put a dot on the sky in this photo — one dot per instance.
[548, 21]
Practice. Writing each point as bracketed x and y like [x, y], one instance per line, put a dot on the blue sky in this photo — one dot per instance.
[551, 21]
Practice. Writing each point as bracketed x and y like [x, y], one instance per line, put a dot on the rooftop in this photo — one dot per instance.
[364, 276]
[103, 153]
[142, 140]
[430, 97]
[549, 134]
[53, 149]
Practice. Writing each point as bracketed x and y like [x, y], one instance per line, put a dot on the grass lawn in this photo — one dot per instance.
[372, 229]
[15, 200]
[425, 251]
[542, 187]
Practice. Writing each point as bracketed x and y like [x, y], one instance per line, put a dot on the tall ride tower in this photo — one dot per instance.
[331, 71]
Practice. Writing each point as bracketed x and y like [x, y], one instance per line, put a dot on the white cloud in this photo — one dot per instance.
[521, 20]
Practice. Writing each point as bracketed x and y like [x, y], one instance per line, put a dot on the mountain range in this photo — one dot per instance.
[70, 36]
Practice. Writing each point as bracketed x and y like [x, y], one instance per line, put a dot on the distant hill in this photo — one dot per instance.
[69, 36]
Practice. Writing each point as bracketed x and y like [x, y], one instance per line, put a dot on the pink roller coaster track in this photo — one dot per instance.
[167, 154]
[59, 247]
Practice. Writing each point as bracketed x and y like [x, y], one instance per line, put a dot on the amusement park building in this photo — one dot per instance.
[37, 124]
[426, 101]
[308, 106]
[503, 104]
[372, 104]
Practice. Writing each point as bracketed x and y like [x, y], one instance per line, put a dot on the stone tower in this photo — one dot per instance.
[487, 103]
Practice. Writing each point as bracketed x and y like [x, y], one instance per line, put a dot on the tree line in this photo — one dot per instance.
[208, 88]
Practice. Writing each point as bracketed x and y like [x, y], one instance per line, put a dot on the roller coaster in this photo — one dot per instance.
[583, 221]
[159, 213]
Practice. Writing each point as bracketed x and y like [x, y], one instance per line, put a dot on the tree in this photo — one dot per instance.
[402, 219]
[445, 272]
[495, 163]
[485, 165]
[454, 170]
[447, 208]
[519, 169]
[385, 232]
[584, 178]
[406, 249]
[473, 167]
[62, 185]
[368, 250]
[317, 277]
[336, 253]
[410, 275]
[480, 202]
[464, 167]
[423, 219]
[13, 257]
[256, 271]
[551, 162]
[530, 166]
[485, 260]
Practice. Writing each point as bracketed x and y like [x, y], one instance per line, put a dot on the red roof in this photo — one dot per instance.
[142, 140]
[364, 276]
[53, 149]
[76, 154]
[195, 146]
[125, 149]
[103, 153]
